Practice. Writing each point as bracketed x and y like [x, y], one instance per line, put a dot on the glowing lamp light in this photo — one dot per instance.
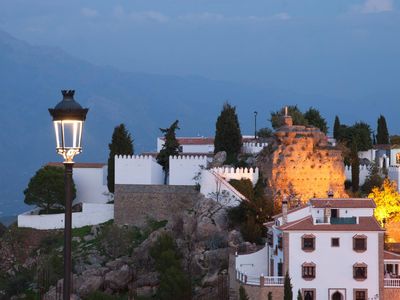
[68, 118]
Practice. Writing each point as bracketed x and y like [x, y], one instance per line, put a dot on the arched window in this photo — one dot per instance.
[337, 296]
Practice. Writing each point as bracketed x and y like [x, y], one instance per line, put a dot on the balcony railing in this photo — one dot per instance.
[259, 280]
[392, 283]
[350, 220]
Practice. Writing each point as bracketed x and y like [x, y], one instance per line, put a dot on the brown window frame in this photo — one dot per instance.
[308, 271]
[357, 238]
[336, 239]
[308, 237]
[314, 293]
[356, 268]
[355, 291]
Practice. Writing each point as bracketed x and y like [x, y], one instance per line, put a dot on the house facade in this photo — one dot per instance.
[331, 248]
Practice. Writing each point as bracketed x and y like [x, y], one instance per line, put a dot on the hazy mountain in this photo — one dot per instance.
[31, 80]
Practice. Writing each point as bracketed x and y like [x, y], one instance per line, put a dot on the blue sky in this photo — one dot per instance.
[344, 48]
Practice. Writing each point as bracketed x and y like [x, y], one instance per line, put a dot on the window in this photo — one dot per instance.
[360, 295]
[308, 242]
[280, 269]
[270, 239]
[308, 271]
[360, 243]
[335, 242]
[360, 271]
[280, 242]
[309, 294]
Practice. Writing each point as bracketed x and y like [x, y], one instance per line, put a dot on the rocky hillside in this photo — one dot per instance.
[115, 260]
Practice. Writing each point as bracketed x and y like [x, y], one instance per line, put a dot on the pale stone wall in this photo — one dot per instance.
[134, 204]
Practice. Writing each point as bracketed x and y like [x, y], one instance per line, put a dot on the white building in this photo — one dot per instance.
[331, 248]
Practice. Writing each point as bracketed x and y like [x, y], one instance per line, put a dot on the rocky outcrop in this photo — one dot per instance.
[300, 164]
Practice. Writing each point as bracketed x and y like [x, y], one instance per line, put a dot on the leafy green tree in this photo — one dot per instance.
[228, 136]
[46, 189]
[374, 179]
[382, 135]
[299, 296]
[293, 111]
[287, 288]
[174, 284]
[242, 293]
[336, 128]
[265, 132]
[121, 144]
[314, 118]
[361, 136]
[170, 147]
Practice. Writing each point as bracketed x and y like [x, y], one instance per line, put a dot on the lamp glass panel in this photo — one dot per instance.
[68, 134]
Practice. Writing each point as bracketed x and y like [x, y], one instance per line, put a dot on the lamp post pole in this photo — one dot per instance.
[68, 231]
[255, 124]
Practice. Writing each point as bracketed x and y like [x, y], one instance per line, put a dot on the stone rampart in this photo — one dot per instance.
[135, 204]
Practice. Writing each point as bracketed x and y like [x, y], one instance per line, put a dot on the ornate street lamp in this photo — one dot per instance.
[68, 118]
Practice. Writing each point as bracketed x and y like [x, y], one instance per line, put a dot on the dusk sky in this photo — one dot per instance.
[343, 48]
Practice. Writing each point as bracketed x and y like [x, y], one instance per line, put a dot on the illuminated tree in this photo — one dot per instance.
[387, 200]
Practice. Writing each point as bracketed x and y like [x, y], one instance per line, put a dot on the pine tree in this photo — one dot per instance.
[336, 128]
[228, 136]
[170, 147]
[121, 144]
[287, 288]
[314, 118]
[382, 136]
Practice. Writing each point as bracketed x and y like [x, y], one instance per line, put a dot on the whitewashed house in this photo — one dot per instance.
[331, 249]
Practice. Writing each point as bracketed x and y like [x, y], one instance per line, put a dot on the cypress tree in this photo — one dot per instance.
[287, 288]
[355, 168]
[299, 296]
[382, 136]
[170, 147]
[228, 136]
[336, 128]
[121, 144]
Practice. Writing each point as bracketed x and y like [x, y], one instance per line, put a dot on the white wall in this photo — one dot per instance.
[91, 185]
[253, 264]
[364, 172]
[92, 214]
[138, 169]
[369, 154]
[208, 148]
[238, 173]
[334, 265]
[253, 148]
[183, 169]
[394, 174]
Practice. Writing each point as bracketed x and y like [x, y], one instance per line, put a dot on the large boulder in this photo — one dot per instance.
[118, 279]
[90, 284]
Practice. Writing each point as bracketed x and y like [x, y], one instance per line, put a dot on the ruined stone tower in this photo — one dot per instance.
[300, 164]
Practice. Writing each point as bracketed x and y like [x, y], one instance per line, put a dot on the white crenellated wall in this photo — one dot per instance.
[138, 169]
[91, 185]
[92, 214]
[253, 148]
[394, 174]
[369, 154]
[364, 172]
[238, 173]
[184, 168]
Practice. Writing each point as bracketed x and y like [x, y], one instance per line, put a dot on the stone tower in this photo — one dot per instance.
[300, 164]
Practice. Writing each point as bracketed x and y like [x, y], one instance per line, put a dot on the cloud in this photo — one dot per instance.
[205, 16]
[374, 6]
[148, 16]
[216, 17]
[89, 12]
[282, 16]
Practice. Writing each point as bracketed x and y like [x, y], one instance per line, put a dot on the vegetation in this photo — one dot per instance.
[265, 132]
[314, 118]
[382, 133]
[287, 288]
[121, 144]
[395, 139]
[355, 168]
[251, 215]
[387, 200]
[228, 136]
[242, 293]
[299, 296]
[269, 296]
[170, 147]
[374, 179]
[46, 189]
[174, 284]
[293, 111]
[336, 128]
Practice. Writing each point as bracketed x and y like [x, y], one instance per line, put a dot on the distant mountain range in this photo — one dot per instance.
[31, 78]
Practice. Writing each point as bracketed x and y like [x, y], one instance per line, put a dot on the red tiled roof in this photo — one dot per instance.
[306, 224]
[78, 165]
[343, 202]
[391, 255]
